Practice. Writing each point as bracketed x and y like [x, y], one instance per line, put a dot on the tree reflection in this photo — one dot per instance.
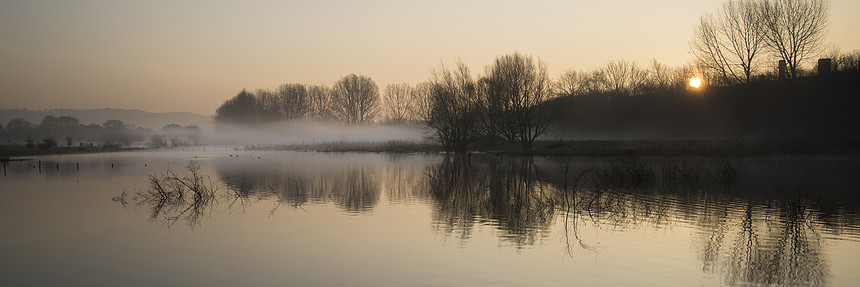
[745, 239]
[504, 193]
[774, 243]
[745, 236]
[354, 190]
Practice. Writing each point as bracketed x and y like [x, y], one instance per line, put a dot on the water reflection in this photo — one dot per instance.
[354, 188]
[172, 197]
[745, 231]
[774, 243]
[504, 193]
[767, 237]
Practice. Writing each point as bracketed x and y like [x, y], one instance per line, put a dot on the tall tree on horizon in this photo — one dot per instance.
[240, 109]
[515, 92]
[728, 42]
[355, 99]
[795, 29]
[455, 108]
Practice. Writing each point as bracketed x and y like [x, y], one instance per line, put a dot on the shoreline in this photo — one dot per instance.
[14, 152]
[560, 148]
[549, 148]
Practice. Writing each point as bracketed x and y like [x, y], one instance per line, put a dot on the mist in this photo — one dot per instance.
[311, 132]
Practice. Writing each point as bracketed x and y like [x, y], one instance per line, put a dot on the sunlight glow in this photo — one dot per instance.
[696, 82]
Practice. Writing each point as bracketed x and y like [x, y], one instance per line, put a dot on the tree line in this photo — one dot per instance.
[53, 131]
[744, 38]
[516, 100]
[352, 100]
[508, 103]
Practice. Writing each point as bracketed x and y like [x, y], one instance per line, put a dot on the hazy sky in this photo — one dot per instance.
[163, 56]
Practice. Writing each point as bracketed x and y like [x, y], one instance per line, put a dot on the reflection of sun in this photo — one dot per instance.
[696, 82]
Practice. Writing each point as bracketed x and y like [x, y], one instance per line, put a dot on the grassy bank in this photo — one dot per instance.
[11, 151]
[601, 147]
[393, 146]
[541, 148]
[695, 147]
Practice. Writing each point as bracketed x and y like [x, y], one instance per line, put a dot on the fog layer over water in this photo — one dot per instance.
[310, 132]
[305, 218]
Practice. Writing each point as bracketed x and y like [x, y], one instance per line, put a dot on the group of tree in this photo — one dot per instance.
[54, 131]
[624, 78]
[352, 100]
[737, 42]
[174, 135]
[508, 102]
[516, 100]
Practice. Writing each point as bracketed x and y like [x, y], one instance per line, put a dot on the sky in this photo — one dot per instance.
[167, 56]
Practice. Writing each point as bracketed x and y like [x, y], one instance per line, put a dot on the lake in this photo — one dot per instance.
[283, 218]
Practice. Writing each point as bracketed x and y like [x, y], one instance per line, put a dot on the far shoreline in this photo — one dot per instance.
[547, 148]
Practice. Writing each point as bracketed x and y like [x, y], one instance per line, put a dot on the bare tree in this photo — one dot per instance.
[795, 29]
[319, 100]
[268, 106]
[515, 92]
[355, 99]
[292, 101]
[594, 82]
[729, 42]
[571, 83]
[659, 75]
[623, 77]
[455, 112]
[397, 101]
[422, 96]
[844, 62]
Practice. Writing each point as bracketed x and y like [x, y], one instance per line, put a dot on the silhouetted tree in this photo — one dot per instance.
[116, 131]
[795, 29]
[515, 91]
[422, 95]
[20, 128]
[397, 102]
[292, 101]
[659, 76]
[355, 99]
[114, 124]
[844, 61]
[49, 123]
[624, 78]
[268, 108]
[319, 103]
[48, 142]
[455, 109]
[241, 109]
[570, 83]
[729, 42]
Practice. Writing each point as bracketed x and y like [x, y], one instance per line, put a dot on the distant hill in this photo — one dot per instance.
[138, 118]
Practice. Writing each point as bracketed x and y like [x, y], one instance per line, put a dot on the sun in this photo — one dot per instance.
[695, 82]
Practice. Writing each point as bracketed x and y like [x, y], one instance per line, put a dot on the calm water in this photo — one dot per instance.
[305, 219]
